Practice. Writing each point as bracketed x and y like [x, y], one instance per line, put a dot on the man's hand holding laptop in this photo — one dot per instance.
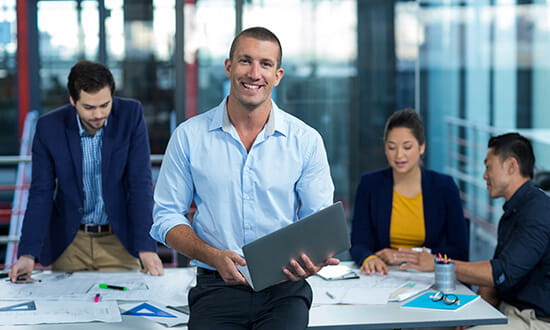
[226, 262]
[308, 269]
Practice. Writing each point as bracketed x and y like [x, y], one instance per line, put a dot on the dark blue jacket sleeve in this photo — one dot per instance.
[40, 200]
[361, 231]
[446, 228]
[372, 215]
[127, 178]
[140, 186]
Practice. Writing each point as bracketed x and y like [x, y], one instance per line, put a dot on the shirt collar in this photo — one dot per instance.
[273, 124]
[82, 132]
[518, 197]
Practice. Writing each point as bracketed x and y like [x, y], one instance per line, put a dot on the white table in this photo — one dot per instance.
[334, 317]
[392, 316]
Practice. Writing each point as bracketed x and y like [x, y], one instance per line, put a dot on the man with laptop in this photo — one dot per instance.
[251, 169]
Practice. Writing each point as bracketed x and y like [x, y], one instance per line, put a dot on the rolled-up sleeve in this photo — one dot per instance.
[315, 186]
[520, 255]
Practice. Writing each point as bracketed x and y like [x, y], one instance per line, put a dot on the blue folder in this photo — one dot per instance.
[425, 302]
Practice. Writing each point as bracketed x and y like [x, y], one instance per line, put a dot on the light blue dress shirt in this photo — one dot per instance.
[94, 207]
[240, 196]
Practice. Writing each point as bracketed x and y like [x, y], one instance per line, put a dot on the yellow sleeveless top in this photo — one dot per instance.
[407, 221]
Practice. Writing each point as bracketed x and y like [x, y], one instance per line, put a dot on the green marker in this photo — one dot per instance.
[114, 287]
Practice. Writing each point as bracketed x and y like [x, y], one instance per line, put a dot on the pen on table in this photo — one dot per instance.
[22, 278]
[114, 287]
[97, 297]
[330, 295]
[4, 275]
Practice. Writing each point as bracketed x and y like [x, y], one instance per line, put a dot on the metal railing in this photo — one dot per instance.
[19, 211]
[467, 148]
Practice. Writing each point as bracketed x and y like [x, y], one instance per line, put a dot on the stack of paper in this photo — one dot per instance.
[337, 272]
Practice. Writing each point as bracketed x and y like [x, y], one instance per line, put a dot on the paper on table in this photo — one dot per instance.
[368, 289]
[56, 311]
[410, 289]
[172, 287]
[337, 272]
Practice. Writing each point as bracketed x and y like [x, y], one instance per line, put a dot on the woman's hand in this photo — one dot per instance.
[373, 266]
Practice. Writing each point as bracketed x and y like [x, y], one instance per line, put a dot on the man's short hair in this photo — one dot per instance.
[258, 33]
[516, 146]
[90, 77]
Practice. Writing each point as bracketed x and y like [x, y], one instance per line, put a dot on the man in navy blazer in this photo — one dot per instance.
[90, 200]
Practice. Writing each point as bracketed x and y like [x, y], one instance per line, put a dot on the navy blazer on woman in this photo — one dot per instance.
[56, 197]
[445, 227]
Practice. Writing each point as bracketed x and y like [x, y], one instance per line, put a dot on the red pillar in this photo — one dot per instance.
[23, 94]
[191, 82]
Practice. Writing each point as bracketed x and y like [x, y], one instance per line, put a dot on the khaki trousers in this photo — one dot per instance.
[102, 251]
[517, 320]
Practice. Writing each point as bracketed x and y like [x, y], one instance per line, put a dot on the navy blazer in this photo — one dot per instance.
[445, 226]
[56, 196]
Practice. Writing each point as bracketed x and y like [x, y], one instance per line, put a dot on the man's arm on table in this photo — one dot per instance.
[478, 273]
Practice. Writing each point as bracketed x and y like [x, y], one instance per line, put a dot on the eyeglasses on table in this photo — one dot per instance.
[446, 298]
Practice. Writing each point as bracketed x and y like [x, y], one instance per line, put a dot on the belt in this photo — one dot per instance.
[95, 229]
[205, 271]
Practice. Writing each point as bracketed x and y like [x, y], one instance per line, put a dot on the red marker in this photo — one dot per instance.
[97, 297]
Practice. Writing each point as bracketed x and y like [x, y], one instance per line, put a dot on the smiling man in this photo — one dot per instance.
[251, 168]
[517, 279]
[90, 201]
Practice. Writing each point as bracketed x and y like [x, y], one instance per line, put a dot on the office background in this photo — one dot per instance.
[471, 68]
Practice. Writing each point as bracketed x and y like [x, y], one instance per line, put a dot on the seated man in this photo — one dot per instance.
[90, 201]
[251, 168]
[517, 279]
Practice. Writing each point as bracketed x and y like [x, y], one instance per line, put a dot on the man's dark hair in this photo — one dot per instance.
[407, 118]
[258, 33]
[517, 146]
[90, 77]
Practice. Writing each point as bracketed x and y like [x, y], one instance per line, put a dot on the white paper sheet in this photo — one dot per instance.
[57, 311]
[51, 295]
[171, 288]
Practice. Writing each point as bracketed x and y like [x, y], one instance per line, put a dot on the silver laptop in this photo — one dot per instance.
[320, 235]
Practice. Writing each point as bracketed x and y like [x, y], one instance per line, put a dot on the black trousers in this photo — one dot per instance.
[213, 304]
